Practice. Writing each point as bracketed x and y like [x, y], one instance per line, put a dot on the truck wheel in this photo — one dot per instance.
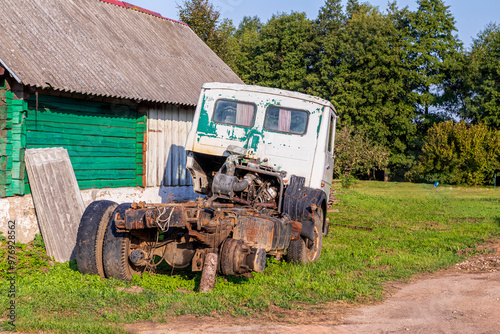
[117, 248]
[90, 236]
[305, 250]
[297, 251]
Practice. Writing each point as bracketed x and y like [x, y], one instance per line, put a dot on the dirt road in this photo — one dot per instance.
[463, 299]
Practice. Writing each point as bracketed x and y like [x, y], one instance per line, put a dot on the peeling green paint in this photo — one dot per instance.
[206, 128]
[319, 125]
[273, 103]
[204, 125]
[255, 142]
[247, 137]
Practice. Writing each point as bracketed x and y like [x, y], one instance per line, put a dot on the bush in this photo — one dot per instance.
[347, 181]
[358, 155]
[459, 153]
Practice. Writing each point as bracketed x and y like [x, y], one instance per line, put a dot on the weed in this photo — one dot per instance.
[347, 180]
[38, 242]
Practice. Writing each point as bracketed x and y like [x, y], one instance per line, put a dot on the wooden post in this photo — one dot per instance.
[209, 272]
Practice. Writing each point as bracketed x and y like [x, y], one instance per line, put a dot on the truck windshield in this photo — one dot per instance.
[286, 120]
[234, 112]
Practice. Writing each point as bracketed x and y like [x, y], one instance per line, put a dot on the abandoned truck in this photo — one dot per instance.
[263, 158]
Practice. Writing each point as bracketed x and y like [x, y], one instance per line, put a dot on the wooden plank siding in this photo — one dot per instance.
[104, 141]
[12, 141]
[168, 126]
[5, 146]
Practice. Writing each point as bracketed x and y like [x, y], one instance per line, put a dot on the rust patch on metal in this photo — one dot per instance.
[256, 231]
[296, 228]
[198, 259]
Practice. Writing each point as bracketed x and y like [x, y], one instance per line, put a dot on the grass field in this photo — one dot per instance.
[416, 228]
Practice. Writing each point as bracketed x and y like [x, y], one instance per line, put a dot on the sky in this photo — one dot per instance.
[471, 16]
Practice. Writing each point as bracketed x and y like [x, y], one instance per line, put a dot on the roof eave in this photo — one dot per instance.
[10, 71]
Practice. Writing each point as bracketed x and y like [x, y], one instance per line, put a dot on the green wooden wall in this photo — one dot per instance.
[12, 143]
[5, 149]
[104, 141]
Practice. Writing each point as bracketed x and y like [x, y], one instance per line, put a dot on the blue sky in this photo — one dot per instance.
[471, 16]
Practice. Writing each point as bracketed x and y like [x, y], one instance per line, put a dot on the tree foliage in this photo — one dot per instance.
[434, 54]
[247, 38]
[484, 79]
[460, 153]
[368, 85]
[282, 54]
[204, 20]
[395, 76]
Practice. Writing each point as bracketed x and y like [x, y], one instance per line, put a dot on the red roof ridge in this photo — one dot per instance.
[140, 9]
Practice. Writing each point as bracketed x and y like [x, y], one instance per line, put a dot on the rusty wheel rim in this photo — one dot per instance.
[312, 247]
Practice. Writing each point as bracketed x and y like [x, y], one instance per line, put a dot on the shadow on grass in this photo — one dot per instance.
[72, 265]
[162, 269]
[185, 274]
[188, 275]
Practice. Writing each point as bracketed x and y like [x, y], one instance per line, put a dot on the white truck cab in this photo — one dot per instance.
[284, 130]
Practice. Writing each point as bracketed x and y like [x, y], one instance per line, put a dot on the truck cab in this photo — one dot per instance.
[286, 131]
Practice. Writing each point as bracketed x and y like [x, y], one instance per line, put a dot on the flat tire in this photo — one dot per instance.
[90, 237]
[116, 250]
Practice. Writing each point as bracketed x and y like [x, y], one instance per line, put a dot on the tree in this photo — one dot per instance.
[484, 81]
[330, 19]
[353, 7]
[365, 74]
[326, 56]
[358, 155]
[434, 55]
[204, 19]
[283, 53]
[247, 38]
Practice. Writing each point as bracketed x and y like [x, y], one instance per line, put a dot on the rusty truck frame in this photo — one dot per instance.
[263, 160]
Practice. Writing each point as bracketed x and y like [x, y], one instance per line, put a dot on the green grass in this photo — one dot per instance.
[416, 228]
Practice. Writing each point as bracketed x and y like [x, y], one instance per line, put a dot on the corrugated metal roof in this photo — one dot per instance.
[103, 49]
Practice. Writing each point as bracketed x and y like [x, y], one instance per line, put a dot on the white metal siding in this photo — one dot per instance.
[168, 126]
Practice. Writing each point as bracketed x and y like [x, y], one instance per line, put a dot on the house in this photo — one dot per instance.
[114, 84]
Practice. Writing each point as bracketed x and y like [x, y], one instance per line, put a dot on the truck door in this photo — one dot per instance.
[328, 173]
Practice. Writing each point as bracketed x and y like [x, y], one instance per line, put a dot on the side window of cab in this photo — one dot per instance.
[331, 133]
[286, 120]
[234, 113]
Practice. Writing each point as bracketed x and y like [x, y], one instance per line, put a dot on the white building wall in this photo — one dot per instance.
[168, 126]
